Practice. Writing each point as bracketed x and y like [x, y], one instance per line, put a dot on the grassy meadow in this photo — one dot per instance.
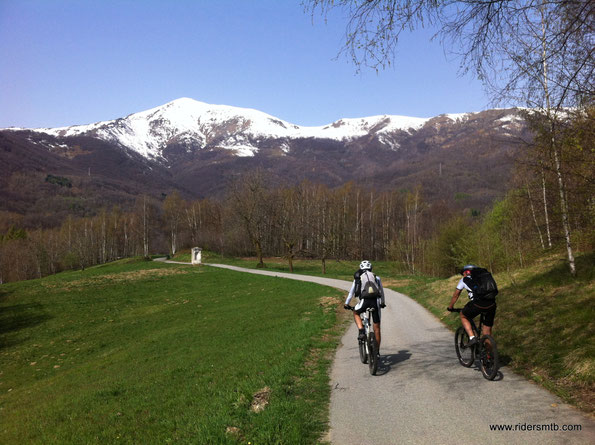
[545, 322]
[144, 352]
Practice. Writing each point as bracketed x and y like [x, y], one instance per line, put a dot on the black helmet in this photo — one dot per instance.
[467, 267]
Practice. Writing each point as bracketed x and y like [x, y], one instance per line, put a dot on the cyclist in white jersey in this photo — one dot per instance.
[365, 268]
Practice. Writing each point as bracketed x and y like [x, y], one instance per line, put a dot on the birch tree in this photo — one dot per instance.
[173, 209]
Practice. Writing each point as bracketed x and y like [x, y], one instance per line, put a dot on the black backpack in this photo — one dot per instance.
[482, 284]
[369, 287]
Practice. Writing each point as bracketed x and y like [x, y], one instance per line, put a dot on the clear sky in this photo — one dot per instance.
[82, 61]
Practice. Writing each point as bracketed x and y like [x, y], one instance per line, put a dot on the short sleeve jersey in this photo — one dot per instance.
[462, 286]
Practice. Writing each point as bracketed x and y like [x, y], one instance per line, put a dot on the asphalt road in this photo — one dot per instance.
[422, 395]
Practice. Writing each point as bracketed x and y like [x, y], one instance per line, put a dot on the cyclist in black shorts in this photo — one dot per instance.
[365, 267]
[474, 307]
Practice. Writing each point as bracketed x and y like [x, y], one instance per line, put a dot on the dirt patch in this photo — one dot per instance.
[141, 274]
[234, 431]
[136, 275]
[260, 400]
[388, 282]
[328, 302]
[312, 361]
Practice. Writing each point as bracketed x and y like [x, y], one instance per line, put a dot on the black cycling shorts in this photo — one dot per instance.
[364, 304]
[474, 308]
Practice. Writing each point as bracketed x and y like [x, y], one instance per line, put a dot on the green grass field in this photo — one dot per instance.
[151, 353]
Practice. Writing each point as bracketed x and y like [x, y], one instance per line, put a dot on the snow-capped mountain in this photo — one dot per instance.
[198, 149]
[198, 125]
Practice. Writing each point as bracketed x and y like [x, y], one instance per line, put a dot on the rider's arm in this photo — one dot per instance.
[351, 291]
[455, 297]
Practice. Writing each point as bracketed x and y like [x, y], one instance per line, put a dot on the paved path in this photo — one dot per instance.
[422, 395]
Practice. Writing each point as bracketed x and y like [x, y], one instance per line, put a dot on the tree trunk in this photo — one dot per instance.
[554, 147]
[545, 211]
[258, 247]
[535, 216]
[564, 209]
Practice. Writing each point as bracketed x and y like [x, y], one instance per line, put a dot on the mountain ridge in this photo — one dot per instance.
[197, 149]
[148, 132]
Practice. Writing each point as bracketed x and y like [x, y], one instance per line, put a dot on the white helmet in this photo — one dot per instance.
[365, 265]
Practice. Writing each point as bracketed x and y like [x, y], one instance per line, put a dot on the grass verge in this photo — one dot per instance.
[141, 352]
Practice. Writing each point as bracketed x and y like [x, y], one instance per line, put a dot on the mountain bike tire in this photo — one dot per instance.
[363, 355]
[373, 354]
[465, 355]
[488, 359]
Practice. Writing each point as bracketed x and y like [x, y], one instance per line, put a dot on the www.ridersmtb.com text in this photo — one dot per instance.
[535, 427]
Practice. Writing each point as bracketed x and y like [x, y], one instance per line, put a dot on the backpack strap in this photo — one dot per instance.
[470, 283]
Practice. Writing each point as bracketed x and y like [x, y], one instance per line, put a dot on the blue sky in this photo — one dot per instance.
[83, 61]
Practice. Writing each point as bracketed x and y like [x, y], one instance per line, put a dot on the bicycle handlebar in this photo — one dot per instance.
[454, 309]
[351, 308]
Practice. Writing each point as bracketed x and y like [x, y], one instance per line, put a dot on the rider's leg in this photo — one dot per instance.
[490, 314]
[358, 321]
[487, 330]
[377, 333]
[467, 325]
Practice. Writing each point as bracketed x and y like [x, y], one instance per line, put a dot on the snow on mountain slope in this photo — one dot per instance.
[189, 121]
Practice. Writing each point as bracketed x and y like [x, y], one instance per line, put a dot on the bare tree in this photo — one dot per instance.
[286, 218]
[144, 216]
[250, 201]
[173, 209]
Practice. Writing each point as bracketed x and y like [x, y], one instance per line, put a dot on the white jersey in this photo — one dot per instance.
[353, 286]
[462, 286]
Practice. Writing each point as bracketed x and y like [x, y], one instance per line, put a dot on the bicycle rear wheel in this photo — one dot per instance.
[488, 358]
[373, 354]
[363, 355]
[465, 354]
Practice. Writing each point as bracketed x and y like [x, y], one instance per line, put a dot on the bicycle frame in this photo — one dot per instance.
[366, 321]
[475, 329]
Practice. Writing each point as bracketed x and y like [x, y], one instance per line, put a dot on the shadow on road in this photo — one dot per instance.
[388, 361]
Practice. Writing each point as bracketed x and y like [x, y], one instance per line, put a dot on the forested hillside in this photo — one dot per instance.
[257, 217]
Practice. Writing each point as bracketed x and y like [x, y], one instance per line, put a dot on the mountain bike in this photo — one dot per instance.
[485, 349]
[368, 348]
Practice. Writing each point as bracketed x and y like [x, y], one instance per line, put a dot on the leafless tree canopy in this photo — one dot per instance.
[501, 41]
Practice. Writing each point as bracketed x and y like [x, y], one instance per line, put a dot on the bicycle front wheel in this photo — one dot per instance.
[465, 354]
[489, 357]
[373, 354]
[363, 355]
